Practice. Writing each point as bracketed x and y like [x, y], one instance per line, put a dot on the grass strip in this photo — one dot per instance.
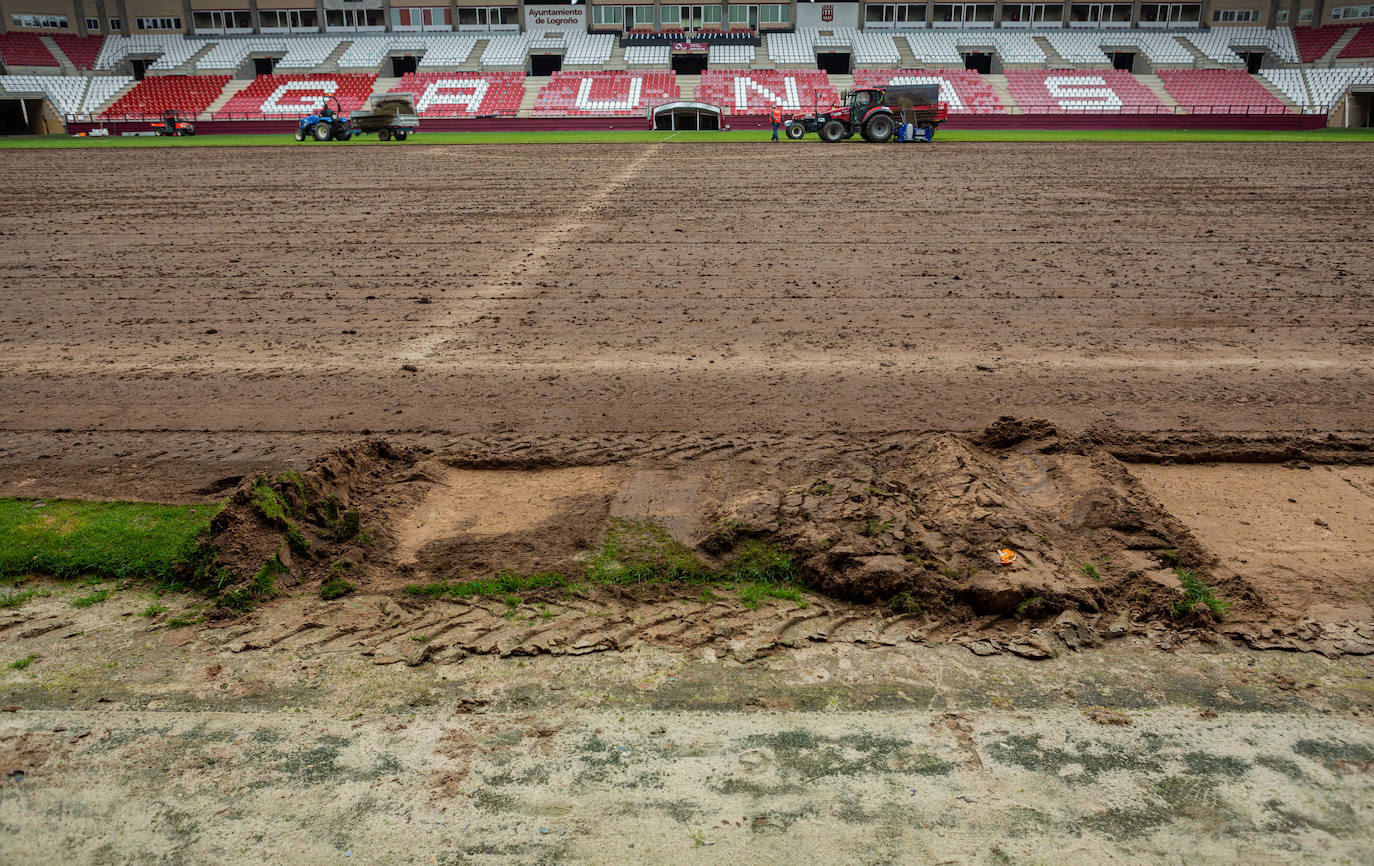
[110, 540]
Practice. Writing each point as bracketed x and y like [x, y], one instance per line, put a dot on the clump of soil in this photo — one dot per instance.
[275, 531]
[931, 529]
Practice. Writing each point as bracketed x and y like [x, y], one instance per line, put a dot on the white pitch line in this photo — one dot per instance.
[524, 266]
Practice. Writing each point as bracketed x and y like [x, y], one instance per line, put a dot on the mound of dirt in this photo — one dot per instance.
[930, 530]
[1017, 530]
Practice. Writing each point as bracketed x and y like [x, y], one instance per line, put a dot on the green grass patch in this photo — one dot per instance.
[14, 599]
[334, 588]
[945, 136]
[504, 584]
[263, 586]
[1196, 592]
[20, 664]
[93, 598]
[153, 610]
[109, 540]
[1091, 571]
[640, 552]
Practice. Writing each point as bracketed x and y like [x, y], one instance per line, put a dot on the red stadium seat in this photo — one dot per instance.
[1361, 46]
[1313, 42]
[80, 50]
[187, 95]
[25, 49]
[1219, 91]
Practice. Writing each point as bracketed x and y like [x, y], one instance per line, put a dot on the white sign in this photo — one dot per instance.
[788, 99]
[296, 97]
[584, 101]
[467, 92]
[1082, 93]
[556, 17]
[827, 16]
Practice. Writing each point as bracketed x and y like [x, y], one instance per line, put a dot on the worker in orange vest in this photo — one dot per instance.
[777, 120]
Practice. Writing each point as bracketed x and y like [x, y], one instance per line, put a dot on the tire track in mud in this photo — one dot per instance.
[537, 257]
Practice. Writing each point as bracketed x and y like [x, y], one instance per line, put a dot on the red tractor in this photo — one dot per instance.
[905, 112]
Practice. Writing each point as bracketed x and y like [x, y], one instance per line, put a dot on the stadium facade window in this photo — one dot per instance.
[1235, 16]
[898, 14]
[40, 22]
[712, 15]
[1305, 16]
[116, 25]
[1346, 13]
[1165, 14]
[421, 18]
[775, 13]
[222, 21]
[608, 16]
[1283, 16]
[287, 21]
[92, 25]
[739, 15]
[1100, 15]
[157, 23]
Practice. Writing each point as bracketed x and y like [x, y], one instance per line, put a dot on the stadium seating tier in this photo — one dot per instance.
[1069, 91]
[187, 95]
[82, 51]
[25, 49]
[1223, 91]
[963, 89]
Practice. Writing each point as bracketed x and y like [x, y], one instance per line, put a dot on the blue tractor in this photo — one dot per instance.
[327, 122]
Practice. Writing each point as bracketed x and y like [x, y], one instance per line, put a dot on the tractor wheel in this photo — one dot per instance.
[300, 134]
[401, 135]
[190, 130]
[323, 132]
[878, 128]
[384, 134]
[796, 131]
[832, 132]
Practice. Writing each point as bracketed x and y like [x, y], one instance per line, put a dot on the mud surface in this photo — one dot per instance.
[903, 754]
[189, 309]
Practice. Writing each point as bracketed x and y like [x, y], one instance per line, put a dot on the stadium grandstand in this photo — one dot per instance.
[71, 63]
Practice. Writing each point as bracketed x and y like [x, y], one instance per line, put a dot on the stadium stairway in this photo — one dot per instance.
[905, 59]
[331, 63]
[474, 61]
[1157, 88]
[1200, 60]
[999, 86]
[687, 87]
[532, 88]
[115, 97]
[617, 60]
[841, 83]
[68, 67]
[1278, 94]
[1053, 59]
[229, 92]
[1329, 58]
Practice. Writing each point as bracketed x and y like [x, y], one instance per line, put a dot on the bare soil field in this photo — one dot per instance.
[157, 300]
[1131, 365]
